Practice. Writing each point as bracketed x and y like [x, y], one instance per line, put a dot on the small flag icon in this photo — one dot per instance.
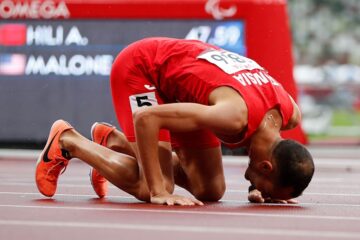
[12, 34]
[12, 64]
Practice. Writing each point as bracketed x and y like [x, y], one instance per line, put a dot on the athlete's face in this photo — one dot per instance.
[262, 173]
[264, 182]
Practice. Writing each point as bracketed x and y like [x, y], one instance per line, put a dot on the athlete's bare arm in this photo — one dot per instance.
[226, 116]
[295, 118]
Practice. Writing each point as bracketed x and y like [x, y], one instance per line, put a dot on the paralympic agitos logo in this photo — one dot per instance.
[33, 9]
[213, 7]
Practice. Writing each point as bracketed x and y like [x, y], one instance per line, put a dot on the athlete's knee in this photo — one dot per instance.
[211, 191]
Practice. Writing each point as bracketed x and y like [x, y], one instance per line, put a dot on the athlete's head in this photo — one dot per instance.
[287, 173]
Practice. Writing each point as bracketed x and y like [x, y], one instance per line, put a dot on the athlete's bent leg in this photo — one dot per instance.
[200, 171]
[120, 169]
[165, 160]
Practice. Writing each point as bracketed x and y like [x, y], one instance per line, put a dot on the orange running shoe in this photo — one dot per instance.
[52, 160]
[99, 134]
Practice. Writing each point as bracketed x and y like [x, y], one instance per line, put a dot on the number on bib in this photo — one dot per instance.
[229, 62]
[142, 100]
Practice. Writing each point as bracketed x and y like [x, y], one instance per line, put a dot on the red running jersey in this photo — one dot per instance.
[188, 70]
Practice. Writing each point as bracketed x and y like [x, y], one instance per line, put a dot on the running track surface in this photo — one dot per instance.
[328, 209]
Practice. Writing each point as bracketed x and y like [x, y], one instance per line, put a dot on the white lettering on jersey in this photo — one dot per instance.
[258, 78]
[229, 62]
[232, 63]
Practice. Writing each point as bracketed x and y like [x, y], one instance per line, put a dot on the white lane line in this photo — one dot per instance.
[188, 212]
[232, 189]
[334, 194]
[66, 195]
[327, 180]
[188, 229]
[334, 186]
[227, 200]
[236, 178]
[301, 204]
[87, 186]
[307, 193]
[62, 185]
[82, 184]
[320, 161]
[228, 191]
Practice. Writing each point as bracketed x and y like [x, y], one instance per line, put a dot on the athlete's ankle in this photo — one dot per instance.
[116, 138]
[118, 142]
[66, 142]
[113, 140]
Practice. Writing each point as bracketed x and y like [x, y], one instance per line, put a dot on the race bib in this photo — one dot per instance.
[229, 62]
[147, 99]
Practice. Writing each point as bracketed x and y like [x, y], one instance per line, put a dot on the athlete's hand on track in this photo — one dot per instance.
[256, 197]
[170, 199]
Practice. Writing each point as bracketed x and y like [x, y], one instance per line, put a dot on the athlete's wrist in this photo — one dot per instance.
[157, 189]
[158, 192]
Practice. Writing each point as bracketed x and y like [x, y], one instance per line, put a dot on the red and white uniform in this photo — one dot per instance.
[163, 70]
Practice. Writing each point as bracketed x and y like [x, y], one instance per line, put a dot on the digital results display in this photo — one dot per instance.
[78, 48]
[52, 69]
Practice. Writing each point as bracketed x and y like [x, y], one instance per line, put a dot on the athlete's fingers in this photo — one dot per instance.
[255, 197]
[180, 202]
[292, 201]
[169, 202]
[197, 202]
[188, 202]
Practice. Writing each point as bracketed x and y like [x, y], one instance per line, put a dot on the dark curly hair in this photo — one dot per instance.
[295, 166]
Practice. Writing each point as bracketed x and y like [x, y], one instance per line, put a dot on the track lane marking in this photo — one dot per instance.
[184, 228]
[189, 212]
[131, 197]
[109, 197]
